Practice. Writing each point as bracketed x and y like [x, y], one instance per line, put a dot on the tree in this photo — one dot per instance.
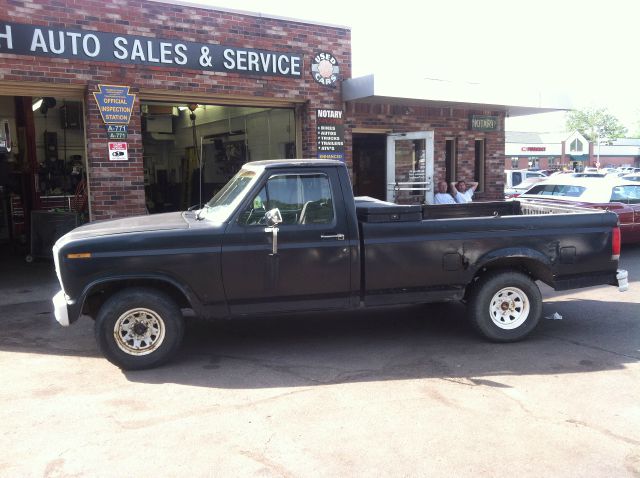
[594, 122]
[637, 133]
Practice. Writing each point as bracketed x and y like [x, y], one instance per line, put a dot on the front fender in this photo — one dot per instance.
[179, 290]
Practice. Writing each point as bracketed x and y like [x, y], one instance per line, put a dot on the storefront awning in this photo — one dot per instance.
[442, 93]
[579, 157]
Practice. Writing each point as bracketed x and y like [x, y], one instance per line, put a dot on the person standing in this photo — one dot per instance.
[462, 192]
[442, 196]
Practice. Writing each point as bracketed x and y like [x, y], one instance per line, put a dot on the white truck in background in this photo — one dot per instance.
[513, 177]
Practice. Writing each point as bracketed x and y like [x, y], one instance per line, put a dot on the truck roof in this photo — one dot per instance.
[309, 163]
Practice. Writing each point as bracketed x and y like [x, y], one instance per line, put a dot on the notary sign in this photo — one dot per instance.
[330, 134]
[115, 103]
[118, 151]
[484, 123]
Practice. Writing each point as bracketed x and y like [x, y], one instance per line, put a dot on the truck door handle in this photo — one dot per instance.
[339, 237]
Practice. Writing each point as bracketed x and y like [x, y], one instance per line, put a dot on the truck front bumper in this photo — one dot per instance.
[60, 309]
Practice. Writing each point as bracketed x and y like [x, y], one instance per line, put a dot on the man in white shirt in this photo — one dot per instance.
[442, 196]
[463, 193]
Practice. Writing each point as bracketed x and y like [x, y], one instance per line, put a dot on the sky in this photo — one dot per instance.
[586, 49]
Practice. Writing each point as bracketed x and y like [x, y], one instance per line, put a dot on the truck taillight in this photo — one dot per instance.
[615, 243]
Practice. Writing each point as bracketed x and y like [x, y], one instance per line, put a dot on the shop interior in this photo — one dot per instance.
[191, 150]
[42, 172]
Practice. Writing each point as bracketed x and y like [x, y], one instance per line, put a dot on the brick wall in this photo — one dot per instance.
[117, 189]
[445, 123]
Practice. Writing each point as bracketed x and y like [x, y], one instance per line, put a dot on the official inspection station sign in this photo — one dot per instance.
[115, 103]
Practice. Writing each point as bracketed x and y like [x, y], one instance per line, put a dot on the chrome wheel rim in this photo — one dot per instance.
[139, 331]
[509, 308]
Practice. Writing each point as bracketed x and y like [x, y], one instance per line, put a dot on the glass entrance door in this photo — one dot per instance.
[410, 167]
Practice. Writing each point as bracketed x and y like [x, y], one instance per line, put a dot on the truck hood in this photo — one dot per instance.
[152, 222]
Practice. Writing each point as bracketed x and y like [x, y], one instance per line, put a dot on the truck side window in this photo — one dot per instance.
[302, 199]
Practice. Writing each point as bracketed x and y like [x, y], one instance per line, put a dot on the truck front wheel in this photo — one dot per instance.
[139, 328]
[505, 306]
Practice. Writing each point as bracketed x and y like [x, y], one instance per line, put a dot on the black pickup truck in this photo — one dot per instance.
[288, 236]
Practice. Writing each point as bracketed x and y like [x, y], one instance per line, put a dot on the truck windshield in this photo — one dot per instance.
[220, 207]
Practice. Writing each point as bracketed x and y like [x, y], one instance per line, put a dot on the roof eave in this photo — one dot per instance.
[436, 93]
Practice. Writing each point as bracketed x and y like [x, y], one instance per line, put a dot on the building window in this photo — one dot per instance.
[515, 160]
[479, 163]
[534, 162]
[189, 155]
[450, 154]
[576, 146]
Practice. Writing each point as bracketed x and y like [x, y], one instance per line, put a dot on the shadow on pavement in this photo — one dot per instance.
[416, 342]
[432, 341]
[22, 282]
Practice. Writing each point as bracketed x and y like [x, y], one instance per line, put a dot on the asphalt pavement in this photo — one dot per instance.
[407, 391]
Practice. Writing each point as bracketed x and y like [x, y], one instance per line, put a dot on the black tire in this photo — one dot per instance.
[504, 306]
[139, 328]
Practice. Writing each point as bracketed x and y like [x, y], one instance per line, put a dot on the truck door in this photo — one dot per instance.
[311, 268]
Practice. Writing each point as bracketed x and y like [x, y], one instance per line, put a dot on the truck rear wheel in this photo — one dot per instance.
[505, 306]
[139, 328]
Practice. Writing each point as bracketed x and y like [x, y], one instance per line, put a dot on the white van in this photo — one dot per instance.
[513, 177]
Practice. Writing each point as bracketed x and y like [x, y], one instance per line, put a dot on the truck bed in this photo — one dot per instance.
[436, 250]
[374, 210]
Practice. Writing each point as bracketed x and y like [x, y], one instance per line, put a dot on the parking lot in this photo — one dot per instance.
[395, 392]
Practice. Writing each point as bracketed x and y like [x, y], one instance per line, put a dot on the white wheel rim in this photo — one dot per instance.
[509, 308]
[139, 331]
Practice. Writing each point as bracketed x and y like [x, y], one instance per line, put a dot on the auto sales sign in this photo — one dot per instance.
[22, 39]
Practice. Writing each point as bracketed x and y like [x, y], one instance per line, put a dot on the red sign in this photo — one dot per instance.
[118, 151]
[534, 148]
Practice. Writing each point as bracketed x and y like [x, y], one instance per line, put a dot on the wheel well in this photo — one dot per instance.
[531, 267]
[99, 294]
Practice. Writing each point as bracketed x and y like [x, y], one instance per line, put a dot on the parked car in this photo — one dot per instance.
[288, 236]
[628, 170]
[515, 191]
[513, 177]
[588, 174]
[632, 177]
[614, 194]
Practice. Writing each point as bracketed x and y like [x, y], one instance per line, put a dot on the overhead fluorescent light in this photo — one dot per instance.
[37, 103]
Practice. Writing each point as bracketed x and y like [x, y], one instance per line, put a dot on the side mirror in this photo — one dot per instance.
[273, 217]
